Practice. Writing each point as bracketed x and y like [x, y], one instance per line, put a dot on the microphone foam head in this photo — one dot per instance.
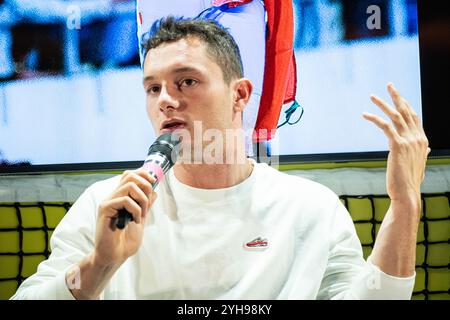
[168, 144]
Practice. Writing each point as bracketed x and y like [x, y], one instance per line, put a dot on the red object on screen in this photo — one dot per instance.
[231, 3]
[280, 76]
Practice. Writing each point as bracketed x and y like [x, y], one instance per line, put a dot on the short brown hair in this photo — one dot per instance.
[220, 44]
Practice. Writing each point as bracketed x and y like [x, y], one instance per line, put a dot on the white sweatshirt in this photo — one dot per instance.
[196, 245]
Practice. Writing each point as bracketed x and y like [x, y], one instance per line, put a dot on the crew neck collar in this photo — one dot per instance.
[188, 193]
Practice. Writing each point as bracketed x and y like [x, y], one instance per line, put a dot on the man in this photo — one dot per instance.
[251, 40]
[239, 230]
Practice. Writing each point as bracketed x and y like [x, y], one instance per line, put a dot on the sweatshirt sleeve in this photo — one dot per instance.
[72, 240]
[349, 276]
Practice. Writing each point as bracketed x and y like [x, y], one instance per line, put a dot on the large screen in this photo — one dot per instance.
[71, 93]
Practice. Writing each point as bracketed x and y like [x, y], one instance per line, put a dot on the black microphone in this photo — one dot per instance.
[162, 155]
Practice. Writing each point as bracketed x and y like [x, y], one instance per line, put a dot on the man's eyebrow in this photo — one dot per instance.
[185, 69]
[148, 78]
[175, 71]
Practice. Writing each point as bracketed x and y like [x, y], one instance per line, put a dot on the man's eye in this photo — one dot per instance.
[187, 82]
[153, 89]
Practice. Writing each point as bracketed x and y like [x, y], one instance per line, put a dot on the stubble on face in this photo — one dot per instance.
[208, 103]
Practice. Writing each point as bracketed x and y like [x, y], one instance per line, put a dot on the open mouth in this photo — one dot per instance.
[172, 125]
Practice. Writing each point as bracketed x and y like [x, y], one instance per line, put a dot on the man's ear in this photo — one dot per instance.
[242, 92]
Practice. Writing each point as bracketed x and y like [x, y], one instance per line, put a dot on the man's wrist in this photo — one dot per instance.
[412, 202]
[87, 280]
[102, 266]
[410, 206]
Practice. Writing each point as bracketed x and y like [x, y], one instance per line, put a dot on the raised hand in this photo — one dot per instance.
[408, 147]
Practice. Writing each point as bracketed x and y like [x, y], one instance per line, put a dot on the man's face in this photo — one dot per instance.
[184, 84]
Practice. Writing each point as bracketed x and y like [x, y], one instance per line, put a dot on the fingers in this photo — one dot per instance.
[134, 193]
[402, 105]
[125, 202]
[409, 115]
[383, 125]
[406, 121]
[426, 157]
[130, 189]
[141, 177]
[393, 114]
[139, 185]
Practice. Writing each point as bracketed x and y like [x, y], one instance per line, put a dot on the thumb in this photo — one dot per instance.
[423, 174]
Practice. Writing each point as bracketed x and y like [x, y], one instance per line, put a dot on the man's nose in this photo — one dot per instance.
[167, 100]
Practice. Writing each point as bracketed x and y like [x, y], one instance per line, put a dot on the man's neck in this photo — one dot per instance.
[213, 176]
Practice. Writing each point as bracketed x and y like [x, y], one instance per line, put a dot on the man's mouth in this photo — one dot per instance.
[170, 125]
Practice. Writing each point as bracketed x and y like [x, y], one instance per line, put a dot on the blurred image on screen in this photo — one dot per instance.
[71, 80]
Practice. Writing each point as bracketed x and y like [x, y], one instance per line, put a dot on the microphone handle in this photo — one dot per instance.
[124, 217]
